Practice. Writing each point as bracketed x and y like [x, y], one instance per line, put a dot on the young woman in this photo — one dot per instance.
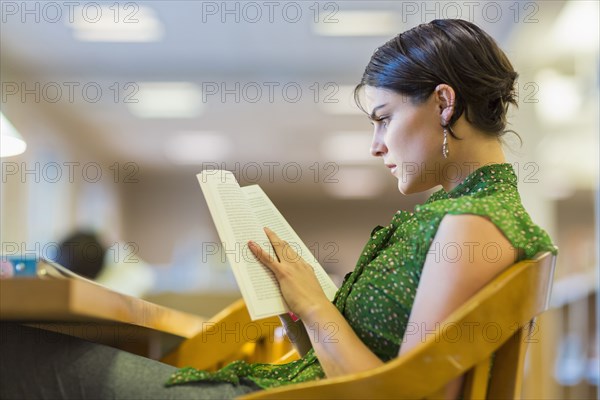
[437, 96]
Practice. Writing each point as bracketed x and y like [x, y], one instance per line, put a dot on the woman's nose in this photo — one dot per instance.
[378, 148]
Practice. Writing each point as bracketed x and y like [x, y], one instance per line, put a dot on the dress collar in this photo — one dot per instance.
[478, 180]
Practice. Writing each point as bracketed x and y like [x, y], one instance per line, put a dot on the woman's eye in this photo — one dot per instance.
[383, 121]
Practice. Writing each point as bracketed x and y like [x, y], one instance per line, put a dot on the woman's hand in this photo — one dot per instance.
[339, 350]
[297, 280]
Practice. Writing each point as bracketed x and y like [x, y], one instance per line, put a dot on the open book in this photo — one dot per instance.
[239, 215]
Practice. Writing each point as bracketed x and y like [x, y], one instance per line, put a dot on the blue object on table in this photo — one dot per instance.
[23, 265]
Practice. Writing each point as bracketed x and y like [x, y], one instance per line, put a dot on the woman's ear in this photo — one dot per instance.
[445, 97]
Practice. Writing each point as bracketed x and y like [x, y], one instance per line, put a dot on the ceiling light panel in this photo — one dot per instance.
[118, 22]
[166, 100]
[197, 147]
[359, 23]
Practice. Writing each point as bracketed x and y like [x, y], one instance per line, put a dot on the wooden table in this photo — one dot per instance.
[95, 313]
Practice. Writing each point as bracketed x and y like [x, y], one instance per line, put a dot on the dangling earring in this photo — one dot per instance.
[445, 144]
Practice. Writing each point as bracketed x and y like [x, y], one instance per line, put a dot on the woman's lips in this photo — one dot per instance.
[392, 167]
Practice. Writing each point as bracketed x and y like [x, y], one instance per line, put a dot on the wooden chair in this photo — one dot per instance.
[499, 319]
[231, 335]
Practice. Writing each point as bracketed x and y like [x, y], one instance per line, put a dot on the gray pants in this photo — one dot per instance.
[38, 364]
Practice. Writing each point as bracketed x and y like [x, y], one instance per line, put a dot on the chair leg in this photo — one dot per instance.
[476, 381]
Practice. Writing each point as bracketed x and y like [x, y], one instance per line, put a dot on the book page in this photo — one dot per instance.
[268, 215]
[236, 225]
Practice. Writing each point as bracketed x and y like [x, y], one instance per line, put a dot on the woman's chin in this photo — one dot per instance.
[404, 187]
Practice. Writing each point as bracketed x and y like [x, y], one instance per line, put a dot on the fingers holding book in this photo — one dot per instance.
[297, 280]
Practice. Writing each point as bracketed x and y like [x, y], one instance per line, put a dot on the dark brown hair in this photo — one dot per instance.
[451, 51]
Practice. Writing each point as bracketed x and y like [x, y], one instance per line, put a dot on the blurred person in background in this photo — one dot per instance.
[116, 267]
[82, 253]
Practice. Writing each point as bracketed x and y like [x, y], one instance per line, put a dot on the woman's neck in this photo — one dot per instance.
[475, 152]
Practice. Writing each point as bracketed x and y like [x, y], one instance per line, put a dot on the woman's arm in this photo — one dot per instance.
[338, 348]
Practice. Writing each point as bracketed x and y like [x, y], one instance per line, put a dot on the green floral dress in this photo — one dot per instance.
[377, 297]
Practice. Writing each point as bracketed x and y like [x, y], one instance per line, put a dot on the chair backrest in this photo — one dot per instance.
[231, 335]
[497, 319]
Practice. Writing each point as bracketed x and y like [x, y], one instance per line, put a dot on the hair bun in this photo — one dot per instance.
[509, 92]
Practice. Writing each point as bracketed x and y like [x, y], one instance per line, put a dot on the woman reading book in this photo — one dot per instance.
[437, 96]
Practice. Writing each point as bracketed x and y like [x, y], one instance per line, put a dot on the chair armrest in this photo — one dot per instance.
[228, 336]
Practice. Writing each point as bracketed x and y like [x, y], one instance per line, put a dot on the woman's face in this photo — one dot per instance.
[407, 137]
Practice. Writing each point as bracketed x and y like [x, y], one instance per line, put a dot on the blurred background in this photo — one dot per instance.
[121, 104]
